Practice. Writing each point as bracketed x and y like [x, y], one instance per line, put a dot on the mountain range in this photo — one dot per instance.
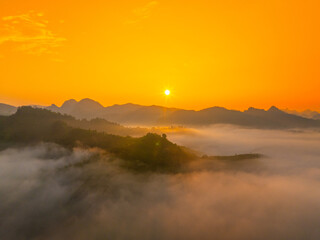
[306, 113]
[134, 114]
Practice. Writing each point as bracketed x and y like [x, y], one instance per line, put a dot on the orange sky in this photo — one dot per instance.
[227, 53]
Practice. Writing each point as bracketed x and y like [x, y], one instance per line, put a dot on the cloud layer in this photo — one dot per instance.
[29, 33]
[47, 192]
[142, 13]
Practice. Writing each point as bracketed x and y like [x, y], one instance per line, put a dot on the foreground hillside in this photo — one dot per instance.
[151, 152]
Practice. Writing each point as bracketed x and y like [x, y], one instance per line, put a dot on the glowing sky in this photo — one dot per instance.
[228, 53]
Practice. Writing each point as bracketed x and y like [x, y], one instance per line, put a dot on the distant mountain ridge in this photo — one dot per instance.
[306, 114]
[135, 114]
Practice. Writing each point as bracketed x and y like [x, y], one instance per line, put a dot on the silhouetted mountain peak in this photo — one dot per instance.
[255, 111]
[274, 110]
[252, 109]
[69, 103]
[90, 103]
[126, 105]
[130, 104]
[53, 108]
[85, 108]
[215, 108]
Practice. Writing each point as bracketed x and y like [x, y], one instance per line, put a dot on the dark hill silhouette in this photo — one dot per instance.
[151, 152]
[134, 114]
[98, 124]
[256, 118]
[86, 108]
[157, 115]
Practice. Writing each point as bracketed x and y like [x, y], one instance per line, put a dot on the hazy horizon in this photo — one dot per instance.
[78, 100]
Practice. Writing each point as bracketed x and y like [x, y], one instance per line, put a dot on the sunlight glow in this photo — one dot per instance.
[167, 92]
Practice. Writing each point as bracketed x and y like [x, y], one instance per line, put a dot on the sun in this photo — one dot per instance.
[167, 92]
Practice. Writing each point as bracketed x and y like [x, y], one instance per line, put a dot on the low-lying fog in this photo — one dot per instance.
[47, 192]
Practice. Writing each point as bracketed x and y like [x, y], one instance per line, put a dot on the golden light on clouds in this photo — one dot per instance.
[29, 33]
[142, 13]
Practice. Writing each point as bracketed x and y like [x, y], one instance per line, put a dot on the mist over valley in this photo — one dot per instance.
[221, 181]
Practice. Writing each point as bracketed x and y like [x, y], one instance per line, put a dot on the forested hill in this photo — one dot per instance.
[151, 152]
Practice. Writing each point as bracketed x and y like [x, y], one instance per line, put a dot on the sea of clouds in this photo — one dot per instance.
[47, 192]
